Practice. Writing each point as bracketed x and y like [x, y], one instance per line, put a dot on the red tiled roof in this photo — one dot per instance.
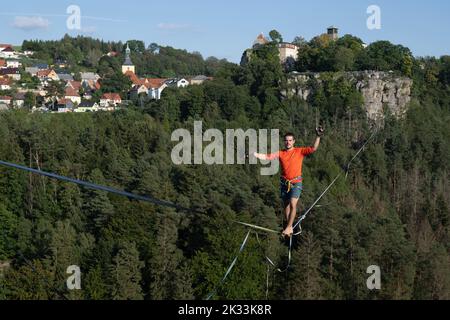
[3, 45]
[154, 82]
[111, 96]
[74, 84]
[71, 92]
[133, 77]
[5, 98]
[92, 84]
[43, 73]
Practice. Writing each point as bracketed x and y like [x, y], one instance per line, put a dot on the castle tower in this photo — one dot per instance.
[260, 41]
[333, 33]
[128, 64]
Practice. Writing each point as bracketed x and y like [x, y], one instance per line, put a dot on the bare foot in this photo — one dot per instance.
[288, 232]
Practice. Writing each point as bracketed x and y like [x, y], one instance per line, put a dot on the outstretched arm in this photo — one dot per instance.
[316, 144]
[260, 156]
[263, 156]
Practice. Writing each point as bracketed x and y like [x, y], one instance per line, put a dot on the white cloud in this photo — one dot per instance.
[172, 26]
[30, 23]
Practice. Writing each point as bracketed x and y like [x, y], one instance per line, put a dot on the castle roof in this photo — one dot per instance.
[260, 40]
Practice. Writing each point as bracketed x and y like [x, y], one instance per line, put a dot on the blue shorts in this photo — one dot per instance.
[294, 193]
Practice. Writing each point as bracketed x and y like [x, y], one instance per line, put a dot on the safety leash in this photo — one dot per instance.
[209, 296]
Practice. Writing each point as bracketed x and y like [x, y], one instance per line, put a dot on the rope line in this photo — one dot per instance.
[210, 295]
[347, 168]
[95, 186]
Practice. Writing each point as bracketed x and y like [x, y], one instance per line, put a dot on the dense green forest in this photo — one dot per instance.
[84, 53]
[392, 210]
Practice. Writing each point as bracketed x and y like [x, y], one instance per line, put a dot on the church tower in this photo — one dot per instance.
[128, 64]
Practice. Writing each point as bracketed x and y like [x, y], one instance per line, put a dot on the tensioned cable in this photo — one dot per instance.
[95, 186]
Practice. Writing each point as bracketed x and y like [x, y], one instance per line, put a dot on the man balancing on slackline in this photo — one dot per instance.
[291, 160]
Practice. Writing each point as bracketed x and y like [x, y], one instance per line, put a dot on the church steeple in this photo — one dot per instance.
[128, 64]
[128, 61]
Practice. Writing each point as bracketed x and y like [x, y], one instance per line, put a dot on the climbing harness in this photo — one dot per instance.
[289, 183]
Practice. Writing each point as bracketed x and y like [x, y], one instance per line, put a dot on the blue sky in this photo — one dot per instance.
[225, 28]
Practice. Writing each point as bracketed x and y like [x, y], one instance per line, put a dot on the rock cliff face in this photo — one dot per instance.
[377, 88]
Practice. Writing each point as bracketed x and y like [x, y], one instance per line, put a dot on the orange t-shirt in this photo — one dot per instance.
[291, 161]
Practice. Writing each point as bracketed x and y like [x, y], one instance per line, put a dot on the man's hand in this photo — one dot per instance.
[259, 156]
[320, 131]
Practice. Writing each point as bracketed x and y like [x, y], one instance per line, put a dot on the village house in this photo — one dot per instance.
[110, 99]
[5, 83]
[86, 76]
[6, 51]
[19, 100]
[47, 74]
[76, 85]
[64, 105]
[3, 46]
[156, 87]
[65, 77]
[72, 95]
[153, 86]
[87, 106]
[138, 90]
[2, 63]
[90, 86]
[177, 83]
[13, 63]
[5, 99]
[199, 80]
[13, 73]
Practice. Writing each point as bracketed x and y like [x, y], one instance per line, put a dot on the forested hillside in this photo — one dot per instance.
[392, 210]
[83, 53]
